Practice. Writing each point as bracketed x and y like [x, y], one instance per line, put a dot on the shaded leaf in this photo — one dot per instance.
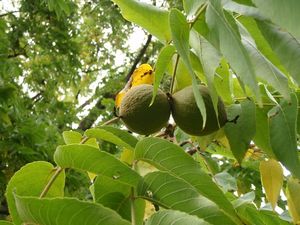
[170, 157]
[171, 192]
[241, 9]
[66, 211]
[285, 15]
[30, 180]
[225, 36]
[2, 222]
[173, 217]
[283, 125]
[180, 36]
[285, 46]
[272, 179]
[161, 65]
[90, 159]
[241, 132]
[151, 18]
[114, 135]
[226, 181]
[191, 7]
[293, 198]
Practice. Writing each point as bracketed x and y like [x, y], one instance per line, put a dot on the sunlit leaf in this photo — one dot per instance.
[293, 198]
[72, 137]
[191, 7]
[31, 180]
[67, 211]
[151, 18]
[272, 179]
[90, 159]
[162, 62]
[114, 135]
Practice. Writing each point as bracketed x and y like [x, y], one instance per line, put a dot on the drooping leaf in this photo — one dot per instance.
[262, 135]
[191, 7]
[72, 137]
[283, 126]
[272, 179]
[263, 68]
[151, 18]
[162, 62]
[293, 198]
[285, 46]
[210, 59]
[241, 131]
[170, 157]
[30, 180]
[225, 36]
[114, 135]
[67, 211]
[242, 9]
[90, 159]
[226, 181]
[285, 15]
[174, 217]
[174, 193]
[180, 36]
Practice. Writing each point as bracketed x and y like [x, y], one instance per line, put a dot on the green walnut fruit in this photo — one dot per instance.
[138, 116]
[187, 114]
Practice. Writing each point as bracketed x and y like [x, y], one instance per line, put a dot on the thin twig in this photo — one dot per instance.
[132, 198]
[198, 13]
[110, 121]
[174, 73]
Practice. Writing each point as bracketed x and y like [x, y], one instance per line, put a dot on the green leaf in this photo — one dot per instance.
[226, 181]
[241, 9]
[2, 222]
[66, 211]
[271, 174]
[173, 217]
[115, 195]
[175, 193]
[191, 7]
[250, 215]
[114, 135]
[30, 180]
[285, 46]
[285, 15]
[262, 135]
[226, 37]
[264, 69]
[293, 198]
[283, 126]
[72, 137]
[151, 18]
[210, 59]
[161, 65]
[183, 78]
[241, 132]
[180, 36]
[88, 158]
[170, 157]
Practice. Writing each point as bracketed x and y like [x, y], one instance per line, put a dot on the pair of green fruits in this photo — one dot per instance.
[141, 118]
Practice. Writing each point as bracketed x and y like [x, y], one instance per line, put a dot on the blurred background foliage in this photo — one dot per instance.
[61, 64]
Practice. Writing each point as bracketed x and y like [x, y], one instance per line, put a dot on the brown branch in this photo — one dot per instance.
[8, 13]
[139, 57]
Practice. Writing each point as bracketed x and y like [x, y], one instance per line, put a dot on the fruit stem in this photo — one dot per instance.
[174, 73]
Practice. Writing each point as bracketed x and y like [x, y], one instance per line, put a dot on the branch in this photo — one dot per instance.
[139, 57]
[8, 13]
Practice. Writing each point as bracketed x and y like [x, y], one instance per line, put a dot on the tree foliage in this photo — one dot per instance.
[52, 52]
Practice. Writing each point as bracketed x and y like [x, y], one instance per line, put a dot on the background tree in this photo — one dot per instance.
[54, 52]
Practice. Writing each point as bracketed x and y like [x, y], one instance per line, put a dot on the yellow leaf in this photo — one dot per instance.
[127, 156]
[293, 199]
[272, 179]
[142, 75]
